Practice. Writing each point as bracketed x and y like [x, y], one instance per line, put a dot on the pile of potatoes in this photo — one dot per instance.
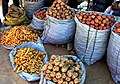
[63, 70]
[61, 11]
[41, 14]
[117, 28]
[97, 21]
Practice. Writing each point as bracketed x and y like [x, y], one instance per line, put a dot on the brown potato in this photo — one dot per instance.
[64, 71]
[61, 11]
[55, 80]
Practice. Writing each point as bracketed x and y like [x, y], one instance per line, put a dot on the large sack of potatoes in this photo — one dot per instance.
[113, 52]
[33, 5]
[60, 25]
[92, 35]
[65, 69]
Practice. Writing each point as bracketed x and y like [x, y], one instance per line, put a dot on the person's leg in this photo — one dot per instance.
[0, 23]
[16, 2]
[5, 7]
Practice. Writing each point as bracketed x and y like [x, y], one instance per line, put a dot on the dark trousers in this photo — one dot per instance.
[5, 5]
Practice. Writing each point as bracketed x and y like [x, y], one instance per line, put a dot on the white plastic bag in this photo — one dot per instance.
[37, 23]
[58, 31]
[113, 55]
[38, 46]
[31, 7]
[90, 44]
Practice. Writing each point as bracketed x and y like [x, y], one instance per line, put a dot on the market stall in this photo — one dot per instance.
[59, 25]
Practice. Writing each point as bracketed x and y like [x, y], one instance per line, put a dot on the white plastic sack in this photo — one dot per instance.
[113, 55]
[44, 81]
[31, 7]
[58, 31]
[37, 46]
[90, 44]
[37, 23]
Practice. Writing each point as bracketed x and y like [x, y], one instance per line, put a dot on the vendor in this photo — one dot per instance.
[5, 5]
[71, 3]
[0, 23]
[101, 5]
[114, 9]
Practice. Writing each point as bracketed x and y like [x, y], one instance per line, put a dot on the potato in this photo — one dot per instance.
[68, 17]
[64, 72]
[41, 14]
[59, 8]
[95, 20]
[117, 28]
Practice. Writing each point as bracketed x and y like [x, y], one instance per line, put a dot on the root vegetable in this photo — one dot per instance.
[61, 11]
[67, 71]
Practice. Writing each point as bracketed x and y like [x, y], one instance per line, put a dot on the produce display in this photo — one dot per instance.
[61, 11]
[97, 21]
[117, 28]
[41, 14]
[18, 35]
[15, 15]
[15, 12]
[63, 70]
[28, 60]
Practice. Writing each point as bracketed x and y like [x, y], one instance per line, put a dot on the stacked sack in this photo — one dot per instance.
[92, 35]
[33, 5]
[15, 16]
[39, 18]
[60, 24]
[113, 52]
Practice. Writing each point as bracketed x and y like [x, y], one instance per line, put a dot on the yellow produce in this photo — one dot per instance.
[18, 35]
[28, 60]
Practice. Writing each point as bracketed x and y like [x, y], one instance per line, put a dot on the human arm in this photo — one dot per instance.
[115, 6]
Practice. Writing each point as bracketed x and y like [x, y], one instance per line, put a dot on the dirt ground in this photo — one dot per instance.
[96, 74]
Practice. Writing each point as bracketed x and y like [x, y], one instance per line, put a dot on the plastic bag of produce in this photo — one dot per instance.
[90, 44]
[36, 46]
[83, 76]
[15, 18]
[31, 7]
[113, 55]
[58, 31]
[36, 22]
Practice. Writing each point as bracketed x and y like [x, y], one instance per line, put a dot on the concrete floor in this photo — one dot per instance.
[96, 74]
